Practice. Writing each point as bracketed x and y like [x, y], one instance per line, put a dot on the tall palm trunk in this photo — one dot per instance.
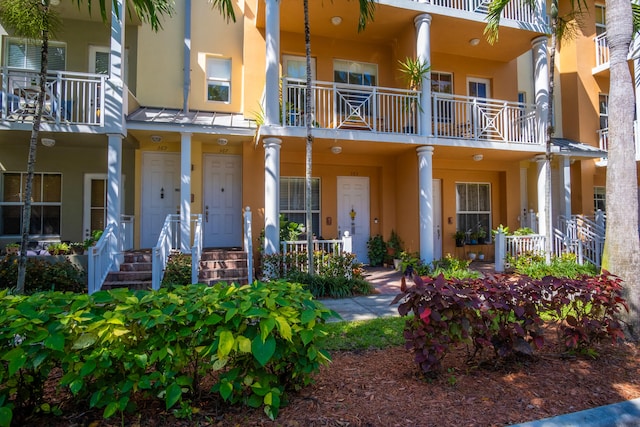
[31, 161]
[308, 115]
[622, 246]
[549, 131]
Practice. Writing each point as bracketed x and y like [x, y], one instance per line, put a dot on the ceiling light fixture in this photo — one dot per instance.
[478, 157]
[223, 141]
[156, 138]
[336, 20]
[336, 149]
[474, 42]
[48, 142]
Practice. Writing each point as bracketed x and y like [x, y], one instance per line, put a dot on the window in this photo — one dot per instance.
[26, 54]
[442, 83]
[473, 207]
[218, 79]
[603, 103]
[601, 22]
[292, 201]
[295, 67]
[45, 208]
[356, 73]
[599, 199]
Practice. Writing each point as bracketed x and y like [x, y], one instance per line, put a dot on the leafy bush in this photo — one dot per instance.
[505, 316]
[42, 275]
[534, 265]
[326, 286]
[260, 339]
[376, 250]
[448, 266]
[177, 271]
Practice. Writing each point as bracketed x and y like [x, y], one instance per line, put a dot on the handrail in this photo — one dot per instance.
[196, 249]
[248, 243]
[167, 240]
[602, 50]
[516, 10]
[518, 245]
[127, 231]
[102, 258]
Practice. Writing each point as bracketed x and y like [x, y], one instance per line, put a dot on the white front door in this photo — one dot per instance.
[353, 200]
[160, 194]
[437, 219]
[222, 201]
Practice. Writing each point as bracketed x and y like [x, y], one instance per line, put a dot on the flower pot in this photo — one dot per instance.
[460, 242]
[472, 255]
[481, 257]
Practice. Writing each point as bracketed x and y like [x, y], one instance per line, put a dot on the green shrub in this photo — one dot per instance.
[376, 250]
[326, 286]
[42, 275]
[448, 266]
[260, 340]
[534, 265]
[178, 271]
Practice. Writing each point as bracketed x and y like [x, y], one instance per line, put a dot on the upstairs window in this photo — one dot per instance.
[26, 54]
[355, 73]
[603, 102]
[601, 23]
[599, 199]
[219, 80]
[441, 82]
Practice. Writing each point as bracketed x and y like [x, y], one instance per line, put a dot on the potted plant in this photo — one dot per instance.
[414, 71]
[58, 248]
[12, 248]
[77, 248]
[377, 249]
[460, 237]
[471, 255]
[480, 255]
[481, 234]
[394, 248]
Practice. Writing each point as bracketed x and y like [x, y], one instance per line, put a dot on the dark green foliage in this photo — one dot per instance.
[117, 347]
[177, 271]
[377, 249]
[448, 266]
[505, 315]
[534, 265]
[43, 275]
[333, 287]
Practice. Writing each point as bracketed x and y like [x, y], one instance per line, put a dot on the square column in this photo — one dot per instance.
[425, 202]
[185, 193]
[272, 195]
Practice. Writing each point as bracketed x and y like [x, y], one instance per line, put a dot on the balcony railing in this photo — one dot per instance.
[603, 139]
[483, 119]
[354, 107]
[70, 98]
[602, 50]
[516, 9]
[387, 110]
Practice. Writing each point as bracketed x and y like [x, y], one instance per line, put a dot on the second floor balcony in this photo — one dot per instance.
[70, 98]
[603, 139]
[396, 111]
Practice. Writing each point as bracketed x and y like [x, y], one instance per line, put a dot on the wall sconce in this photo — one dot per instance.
[336, 20]
[156, 138]
[336, 149]
[375, 220]
[48, 142]
[478, 157]
[223, 141]
[474, 42]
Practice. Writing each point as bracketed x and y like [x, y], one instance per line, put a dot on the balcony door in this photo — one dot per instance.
[295, 68]
[355, 97]
[485, 118]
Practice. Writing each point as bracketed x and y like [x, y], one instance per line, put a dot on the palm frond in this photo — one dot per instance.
[367, 10]
[28, 18]
[635, 10]
[494, 14]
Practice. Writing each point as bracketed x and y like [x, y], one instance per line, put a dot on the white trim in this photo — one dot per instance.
[486, 82]
[287, 58]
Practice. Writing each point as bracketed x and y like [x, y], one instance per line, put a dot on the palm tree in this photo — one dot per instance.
[561, 27]
[367, 9]
[622, 246]
[36, 20]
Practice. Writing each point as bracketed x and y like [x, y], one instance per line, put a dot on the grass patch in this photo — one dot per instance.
[364, 334]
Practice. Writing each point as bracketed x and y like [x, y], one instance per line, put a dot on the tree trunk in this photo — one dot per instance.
[622, 246]
[31, 161]
[549, 132]
[308, 116]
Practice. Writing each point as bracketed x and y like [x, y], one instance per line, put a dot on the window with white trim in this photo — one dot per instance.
[473, 207]
[599, 199]
[355, 73]
[218, 80]
[295, 67]
[46, 204]
[292, 201]
[22, 53]
[601, 23]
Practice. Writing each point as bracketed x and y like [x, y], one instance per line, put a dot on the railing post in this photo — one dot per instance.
[499, 251]
[347, 242]
[600, 218]
[248, 243]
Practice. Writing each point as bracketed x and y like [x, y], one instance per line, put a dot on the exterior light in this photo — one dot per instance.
[48, 142]
[336, 149]
[478, 157]
[474, 42]
[223, 141]
[336, 20]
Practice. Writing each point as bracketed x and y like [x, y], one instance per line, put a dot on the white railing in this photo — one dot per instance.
[466, 117]
[103, 258]
[517, 10]
[603, 138]
[298, 247]
[167, 241]
[602, 50]
[581, 236]
[529, 244]
[248, 243]
[126, 231]
[354, 107]
[70, 98]
[196, 249]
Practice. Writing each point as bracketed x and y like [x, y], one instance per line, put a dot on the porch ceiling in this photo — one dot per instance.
[448, 33]
[69, 10]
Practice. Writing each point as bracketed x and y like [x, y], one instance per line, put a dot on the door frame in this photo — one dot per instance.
[86, 200]
[364, 216]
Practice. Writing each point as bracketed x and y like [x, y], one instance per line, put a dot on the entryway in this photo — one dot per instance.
[222, 201]
[353, 212]
[160, 194]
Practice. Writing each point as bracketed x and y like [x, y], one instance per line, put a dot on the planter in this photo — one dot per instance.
[481, 257]
[397, 263]
[472, 255]
[459, 243]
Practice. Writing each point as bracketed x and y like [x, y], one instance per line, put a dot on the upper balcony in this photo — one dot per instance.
[71, 100]
[602, 53]
[395, 111]
[603, 139]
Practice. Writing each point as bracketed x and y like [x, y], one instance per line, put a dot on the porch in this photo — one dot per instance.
[396, 111]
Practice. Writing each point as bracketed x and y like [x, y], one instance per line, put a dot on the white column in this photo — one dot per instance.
[272, 195]
[542, 201]
[114, 180]
[272, 83]
[114, 91]
[423, 53]
[185, 192]
[565, 176]
[541, 85]
[425, 202]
